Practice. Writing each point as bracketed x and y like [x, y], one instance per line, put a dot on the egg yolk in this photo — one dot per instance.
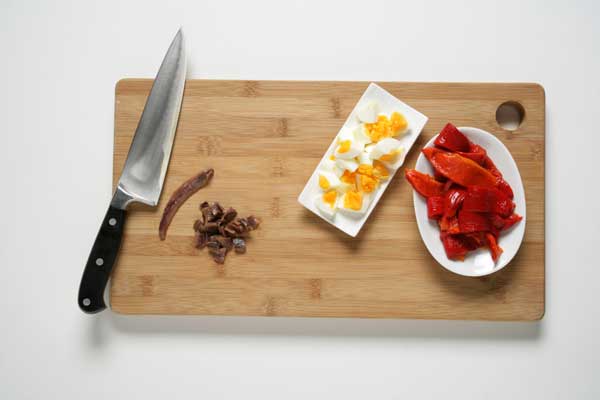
[332, 157]
[365, 169]
[399, 123]
[368, 183]
[353, 200]
[391, 156]
[379, 170]
[344, 146]
[348, 177]
[329, 198]
[385, 127]
[323, 182]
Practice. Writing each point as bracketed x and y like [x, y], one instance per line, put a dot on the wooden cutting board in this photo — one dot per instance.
[264, 138]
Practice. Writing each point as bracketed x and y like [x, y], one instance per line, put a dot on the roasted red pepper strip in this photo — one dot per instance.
[439, 177]
[449, 224]
[424, 184]
[435, 207]
[459, 169]
[452, 201]
[473, 222]
[493, 245]
[451, 138]
[477, 239]
[486, 199]
[511, 220]
[478, 157]
[455, 247]
[505, 187]
[490, 166]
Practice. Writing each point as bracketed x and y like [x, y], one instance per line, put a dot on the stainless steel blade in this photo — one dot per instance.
[148, 158]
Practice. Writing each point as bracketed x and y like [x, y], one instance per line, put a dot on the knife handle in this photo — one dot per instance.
[100, 262]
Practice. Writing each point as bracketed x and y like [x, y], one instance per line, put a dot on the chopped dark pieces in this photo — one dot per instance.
[218, 255]
[201, 239]
[253, 222]
[216, 212]
[239, 245]
[209, 227]
[228, 216]
[212, 244]
[220, 230]
[223, 241]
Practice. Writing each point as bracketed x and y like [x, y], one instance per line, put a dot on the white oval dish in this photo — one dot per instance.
[478, 262]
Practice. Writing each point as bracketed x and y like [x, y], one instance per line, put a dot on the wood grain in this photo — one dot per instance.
[264, 138]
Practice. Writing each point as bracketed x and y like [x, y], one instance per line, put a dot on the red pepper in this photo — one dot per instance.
[452, 139]
[424, 184]
[435, 207]
[476, 239]
[505, 187]
[497, 223]
[488, 199]
[493, 245]
[449, 224]
[489, 164]
[478, 157]
[439, 177]
[459, 169]
[473, 222]
[453, 200]
[510, 221]
[455, 246]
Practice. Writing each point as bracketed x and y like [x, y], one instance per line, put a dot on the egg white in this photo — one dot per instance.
[386, 146]
[330, 166]
[368, 112]
[324, 208]
[353, 151]
[361, 135]
[334, 181]
[346, 165]
[364, 157]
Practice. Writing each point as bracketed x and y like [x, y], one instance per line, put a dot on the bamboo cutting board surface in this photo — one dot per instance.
[264, 139]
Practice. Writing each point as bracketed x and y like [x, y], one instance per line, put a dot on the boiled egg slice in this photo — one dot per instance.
[327, 202]
[362, 135]
[364, 156]
[347, 146]
[330, 165]
[328, 180]
[380, 171]
[354, 203]
[346, 165]
[366, 179]
[368, 112]
[348, 149]
[399, 124]
[389, 152]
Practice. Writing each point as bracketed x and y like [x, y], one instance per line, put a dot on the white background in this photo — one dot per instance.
[58, 66]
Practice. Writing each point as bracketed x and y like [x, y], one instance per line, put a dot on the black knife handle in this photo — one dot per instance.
[100, 262]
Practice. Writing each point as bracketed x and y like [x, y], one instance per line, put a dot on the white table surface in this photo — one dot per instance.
[58, 69]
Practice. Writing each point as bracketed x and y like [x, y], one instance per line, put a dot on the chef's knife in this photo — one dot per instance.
[143, 174]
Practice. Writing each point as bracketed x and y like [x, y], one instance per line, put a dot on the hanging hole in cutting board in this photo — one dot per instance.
[510, 115]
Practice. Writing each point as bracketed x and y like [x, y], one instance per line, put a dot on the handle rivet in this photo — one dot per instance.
[86, 302]
[99, 262]
[112, 221]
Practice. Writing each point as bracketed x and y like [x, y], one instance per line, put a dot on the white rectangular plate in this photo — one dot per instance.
[387, 105]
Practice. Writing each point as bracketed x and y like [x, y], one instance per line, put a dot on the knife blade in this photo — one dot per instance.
[143, 175]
